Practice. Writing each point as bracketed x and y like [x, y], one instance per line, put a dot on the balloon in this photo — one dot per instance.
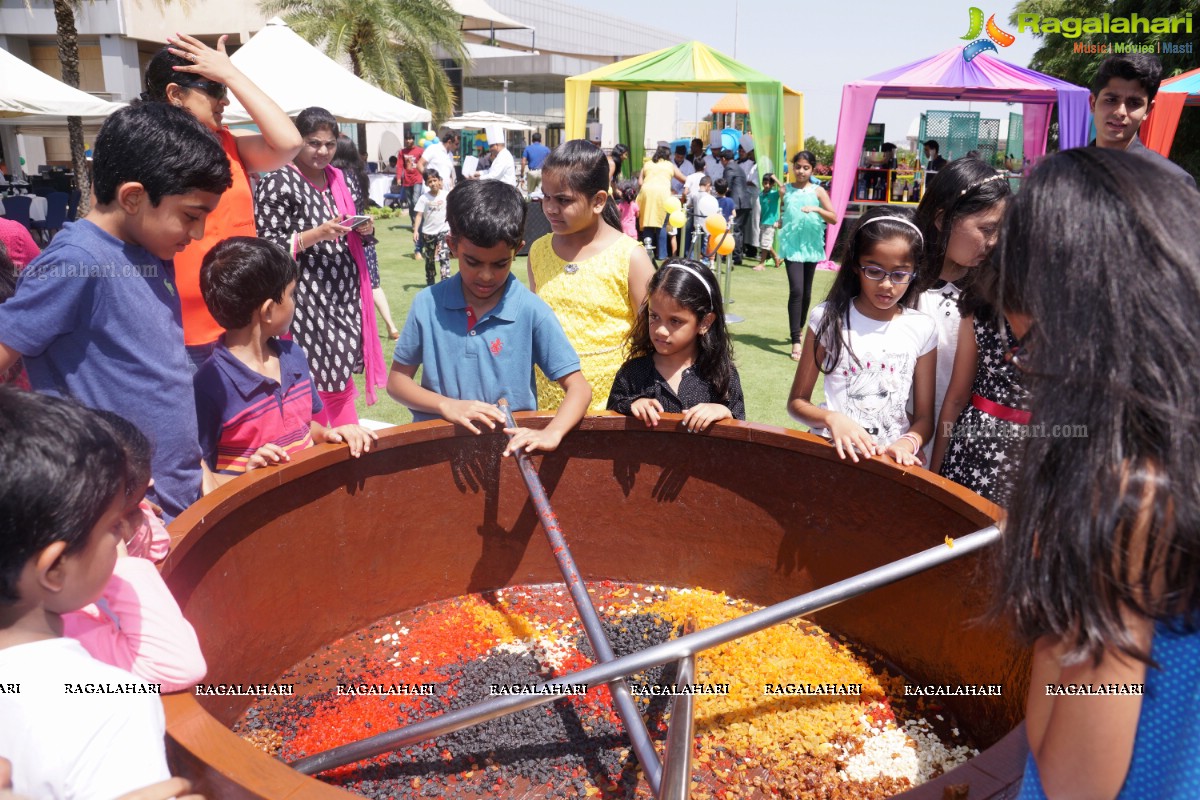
[725, 246]
[672, 205]
[677, 219]
[715, 225]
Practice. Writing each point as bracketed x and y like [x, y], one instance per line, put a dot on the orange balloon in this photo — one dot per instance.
[715, 225]
[725, 247]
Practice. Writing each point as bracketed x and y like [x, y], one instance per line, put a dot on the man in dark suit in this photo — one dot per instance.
[738, 192]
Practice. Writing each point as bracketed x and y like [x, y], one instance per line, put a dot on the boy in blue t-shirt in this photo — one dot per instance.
[478, 335]
[96, 316]
[728, 209]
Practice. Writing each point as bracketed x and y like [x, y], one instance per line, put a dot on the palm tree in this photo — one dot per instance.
[390, 44]
[68, 56]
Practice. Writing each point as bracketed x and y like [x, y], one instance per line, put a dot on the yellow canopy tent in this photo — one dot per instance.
[776, 111]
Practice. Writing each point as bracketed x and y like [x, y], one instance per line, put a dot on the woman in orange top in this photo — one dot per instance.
[191, 75]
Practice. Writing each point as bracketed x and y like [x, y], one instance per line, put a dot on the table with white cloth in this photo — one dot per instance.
[381, 184]
[37, 209]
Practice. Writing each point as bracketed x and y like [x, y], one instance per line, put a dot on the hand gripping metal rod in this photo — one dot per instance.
[672, 650]
[622, 699]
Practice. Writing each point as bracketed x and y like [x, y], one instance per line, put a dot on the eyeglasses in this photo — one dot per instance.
[217, 91]
[319, 144]
[899, 277]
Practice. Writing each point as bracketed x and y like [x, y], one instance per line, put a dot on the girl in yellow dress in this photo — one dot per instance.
[586, 269]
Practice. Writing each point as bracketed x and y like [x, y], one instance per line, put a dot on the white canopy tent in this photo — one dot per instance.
[31, 97]
[36, 104]
[297, 75]
[486, 119]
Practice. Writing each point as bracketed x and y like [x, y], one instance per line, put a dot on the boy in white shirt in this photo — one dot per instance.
[430, 227]
[78, 728]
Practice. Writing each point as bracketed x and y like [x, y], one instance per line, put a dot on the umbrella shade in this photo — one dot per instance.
[486, 119]
[731, 104]
[297, 75]
[32, 97]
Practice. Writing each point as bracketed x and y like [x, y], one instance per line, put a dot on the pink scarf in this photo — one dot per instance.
[376, 370]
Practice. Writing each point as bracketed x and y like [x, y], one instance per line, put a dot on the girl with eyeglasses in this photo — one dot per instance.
[193, 76]
[871, 349]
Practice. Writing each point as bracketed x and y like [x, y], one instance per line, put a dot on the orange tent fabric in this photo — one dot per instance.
[732, 104]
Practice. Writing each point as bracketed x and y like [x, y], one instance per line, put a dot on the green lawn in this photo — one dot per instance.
[760, 343]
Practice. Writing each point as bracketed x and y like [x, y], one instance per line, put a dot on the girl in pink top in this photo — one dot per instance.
[137, 625]
[629, 208]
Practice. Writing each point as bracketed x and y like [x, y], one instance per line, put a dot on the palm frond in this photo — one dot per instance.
[392, 42]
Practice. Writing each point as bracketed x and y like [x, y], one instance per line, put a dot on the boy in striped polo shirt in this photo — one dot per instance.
[255, 397]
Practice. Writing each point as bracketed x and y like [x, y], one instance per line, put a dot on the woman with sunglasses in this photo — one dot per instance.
[872, 350]
[193, 76]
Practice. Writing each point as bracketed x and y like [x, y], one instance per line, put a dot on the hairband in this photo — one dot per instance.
[901, 220]
[700, 277]
[977, 184]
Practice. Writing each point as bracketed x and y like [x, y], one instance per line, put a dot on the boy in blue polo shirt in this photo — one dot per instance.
[479, 334]
[255, 397]
[96, 316]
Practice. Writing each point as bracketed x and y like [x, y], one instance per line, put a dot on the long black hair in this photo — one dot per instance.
[848, 283]
[584, 168]
[693, 286]
[1105, 514]
[661, 152]
[619, 153]
[963, 187]
[347, 159]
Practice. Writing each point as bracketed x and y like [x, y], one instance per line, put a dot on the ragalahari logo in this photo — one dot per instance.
[994, 34]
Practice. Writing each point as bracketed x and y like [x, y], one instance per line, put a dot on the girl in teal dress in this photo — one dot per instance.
[806, 211]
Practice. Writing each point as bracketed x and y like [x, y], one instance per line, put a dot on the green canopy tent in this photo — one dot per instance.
[777, 111]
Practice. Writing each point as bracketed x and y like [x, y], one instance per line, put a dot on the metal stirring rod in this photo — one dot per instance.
[622, 699]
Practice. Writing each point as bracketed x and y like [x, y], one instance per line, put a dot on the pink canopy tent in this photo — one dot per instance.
[946, 76]
[1158, 131]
